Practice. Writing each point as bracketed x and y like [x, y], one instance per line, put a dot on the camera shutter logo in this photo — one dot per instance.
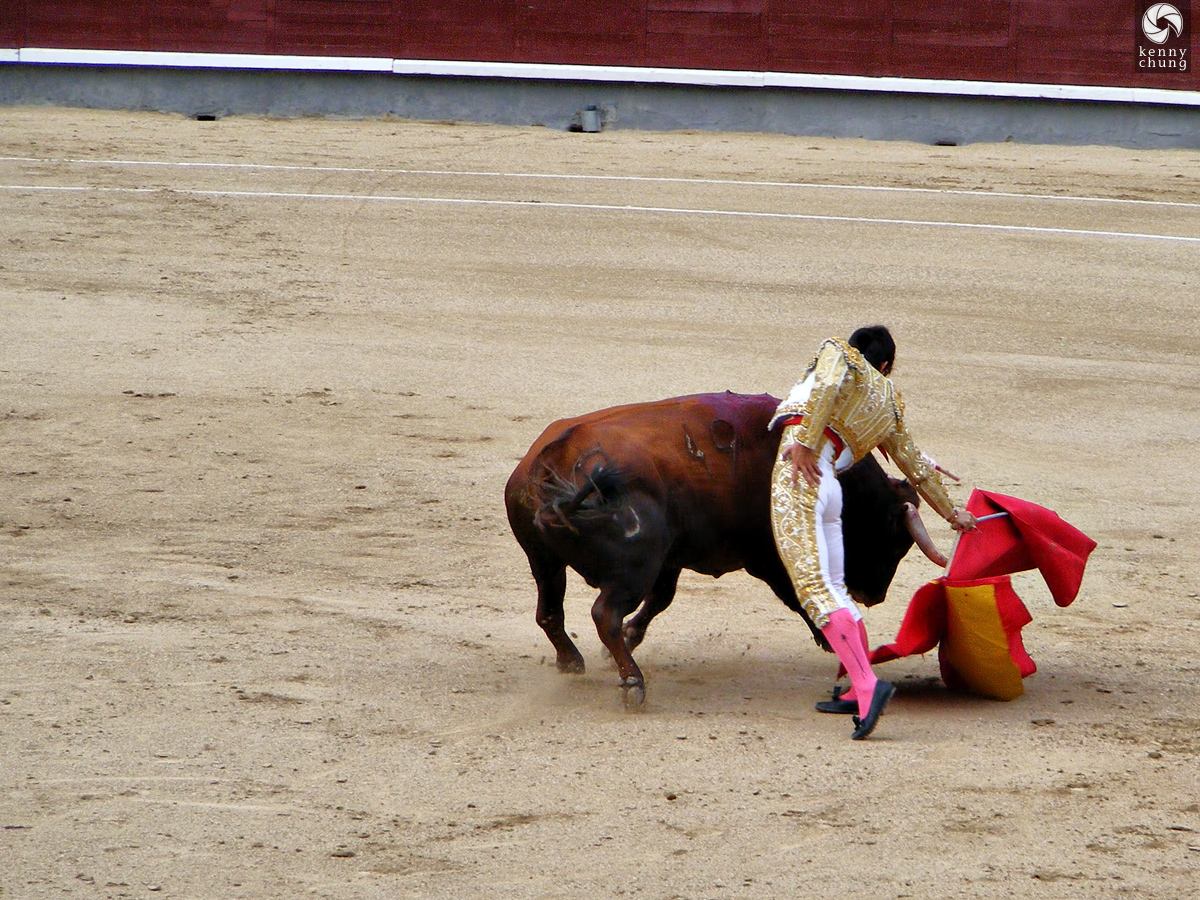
[1160, 21]
[1162, 40]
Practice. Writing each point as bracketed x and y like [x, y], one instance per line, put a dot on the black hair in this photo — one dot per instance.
[875, 343]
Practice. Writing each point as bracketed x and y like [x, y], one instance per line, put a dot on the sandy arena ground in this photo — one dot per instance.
[264, 632]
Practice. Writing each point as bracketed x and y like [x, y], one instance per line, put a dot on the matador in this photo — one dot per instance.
[843, 407]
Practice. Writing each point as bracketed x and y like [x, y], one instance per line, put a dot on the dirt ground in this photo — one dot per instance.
[264, 631]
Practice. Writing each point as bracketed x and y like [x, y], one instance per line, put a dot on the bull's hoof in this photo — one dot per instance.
[571, 665]
[633, 693]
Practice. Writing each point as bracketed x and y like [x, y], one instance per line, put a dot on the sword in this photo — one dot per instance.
[961, 534]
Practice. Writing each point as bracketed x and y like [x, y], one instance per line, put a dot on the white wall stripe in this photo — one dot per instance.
[630, 74]
[166, 59]
[1016, 90]
[601, 207]
[556, 72]
[636, 179]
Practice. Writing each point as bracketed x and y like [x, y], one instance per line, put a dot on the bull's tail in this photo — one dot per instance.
[569, 502]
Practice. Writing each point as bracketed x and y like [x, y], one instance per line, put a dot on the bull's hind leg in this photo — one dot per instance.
[659, 599]
[609, 612]
[551, 581]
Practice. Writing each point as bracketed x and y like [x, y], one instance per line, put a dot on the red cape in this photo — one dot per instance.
[1029, 537]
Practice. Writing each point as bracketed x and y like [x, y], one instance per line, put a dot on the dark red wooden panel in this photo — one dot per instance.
[210, 26]
[954, 63]
[1107, 15]
[88, 26]
[1074, 41]
[597, 16]
[1075, 68]
[753, 7]
[840, 37]
[1087, 42]
[1051, 41]
[12, 23]
[336, 27]
[704, 40]
[745, 27]
[693, 51]
[818, 58]
[845, 23]
[601, 32]
[456, 29]
[844, 33]
[952, 13]
[879, 9]
[1053, 65]
[571, 47]
[952, 35]
[950, 39]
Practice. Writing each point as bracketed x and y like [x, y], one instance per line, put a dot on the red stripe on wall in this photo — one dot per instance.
[1087, 42]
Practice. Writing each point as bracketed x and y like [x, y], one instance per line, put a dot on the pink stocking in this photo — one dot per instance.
[850, 693]
[847, 641]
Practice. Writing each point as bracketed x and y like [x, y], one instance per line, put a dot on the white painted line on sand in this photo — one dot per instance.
[602, 207]
[649, 179]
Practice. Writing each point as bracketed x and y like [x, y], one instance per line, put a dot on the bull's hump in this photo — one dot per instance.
[735, 408]
[742, 415]
[726, 403]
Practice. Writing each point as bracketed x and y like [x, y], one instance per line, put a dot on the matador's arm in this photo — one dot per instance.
[829, 371]
[916, 467]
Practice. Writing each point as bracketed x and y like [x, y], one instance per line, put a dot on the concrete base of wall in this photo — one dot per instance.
[923, 118]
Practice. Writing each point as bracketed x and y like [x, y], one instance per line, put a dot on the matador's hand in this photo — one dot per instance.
[961, 520]
[803, 461]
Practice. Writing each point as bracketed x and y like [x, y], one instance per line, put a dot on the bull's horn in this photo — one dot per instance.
[917, 529]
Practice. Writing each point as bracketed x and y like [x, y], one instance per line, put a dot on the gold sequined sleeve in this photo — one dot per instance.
[829, 371]
[922, 476]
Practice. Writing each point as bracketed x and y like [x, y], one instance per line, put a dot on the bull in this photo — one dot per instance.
[628, 497]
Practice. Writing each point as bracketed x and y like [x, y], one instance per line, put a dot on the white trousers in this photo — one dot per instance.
[807, 522]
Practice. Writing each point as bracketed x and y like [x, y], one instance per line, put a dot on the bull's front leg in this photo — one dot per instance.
[608, 612]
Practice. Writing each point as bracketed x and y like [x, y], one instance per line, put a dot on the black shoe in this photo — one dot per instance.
[837, 705]
[879, 700]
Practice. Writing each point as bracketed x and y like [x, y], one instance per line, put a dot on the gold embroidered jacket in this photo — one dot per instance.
[862, 406]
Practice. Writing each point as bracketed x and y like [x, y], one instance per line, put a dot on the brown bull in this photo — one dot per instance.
[630, 496]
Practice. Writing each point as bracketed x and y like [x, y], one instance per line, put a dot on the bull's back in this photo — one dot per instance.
[705, 459]
[661, 434]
